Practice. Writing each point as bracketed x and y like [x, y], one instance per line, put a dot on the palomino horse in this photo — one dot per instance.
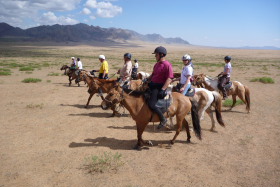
[70, 73]
[135, 103]
[207, 99]
[237, 89]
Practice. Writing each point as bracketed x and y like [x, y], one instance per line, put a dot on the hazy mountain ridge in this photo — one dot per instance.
[80, 33]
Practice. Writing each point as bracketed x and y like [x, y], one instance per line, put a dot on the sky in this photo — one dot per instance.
[218, 23]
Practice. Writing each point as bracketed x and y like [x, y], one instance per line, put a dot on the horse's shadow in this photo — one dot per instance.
[82, 106]
[117, 144]
[232, 111]
[98, 115]
[149, 129]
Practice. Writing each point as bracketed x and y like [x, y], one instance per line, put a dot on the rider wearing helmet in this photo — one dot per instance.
[224, 77]
[186, 75]
[73, 63]
[125, 71]
[135, 69]
[160, 79]
[104, 68]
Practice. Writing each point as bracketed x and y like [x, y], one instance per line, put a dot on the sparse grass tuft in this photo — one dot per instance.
[106, 162]
[31, 80]
[34, 106]
[48, 81]
[27, 68]
[266, 80]
[228, 102]
[4, 71]
[53, 74]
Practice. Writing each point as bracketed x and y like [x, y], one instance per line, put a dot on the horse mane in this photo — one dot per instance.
[131, 92]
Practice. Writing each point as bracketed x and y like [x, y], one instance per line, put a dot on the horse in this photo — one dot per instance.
[207, 99]
[142, 75]
[71, 73]
[237, 89]
[139, 110]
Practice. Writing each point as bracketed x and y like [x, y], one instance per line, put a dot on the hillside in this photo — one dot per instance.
[79, 33]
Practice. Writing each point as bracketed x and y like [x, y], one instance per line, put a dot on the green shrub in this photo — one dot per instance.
[103, 163]
[33, 106]
[53, 74]
[228, 102]
[4, 71]
[31, 80]
[266, 80]
[27, 68]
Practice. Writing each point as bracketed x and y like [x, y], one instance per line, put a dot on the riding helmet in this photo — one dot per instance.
[227, 58]
[160, 50]
[127, 55]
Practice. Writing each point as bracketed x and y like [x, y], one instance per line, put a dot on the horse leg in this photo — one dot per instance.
[186, 124]
[179, 128]
[241, 95]
[89, 98]
[70, 81]
[210, 114]
[233, 101]
[140, 130]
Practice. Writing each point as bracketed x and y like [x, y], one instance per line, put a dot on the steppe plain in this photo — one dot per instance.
[46, 134]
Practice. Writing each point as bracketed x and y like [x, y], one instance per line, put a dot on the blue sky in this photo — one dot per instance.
[220, 23]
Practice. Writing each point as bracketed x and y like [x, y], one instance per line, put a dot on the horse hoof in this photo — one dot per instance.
[171, 142]
[150, 143]
[188, 141]
[137, 147]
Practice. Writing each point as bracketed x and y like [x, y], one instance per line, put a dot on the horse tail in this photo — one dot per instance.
[247, 98]
[195, 118]
[218, 107]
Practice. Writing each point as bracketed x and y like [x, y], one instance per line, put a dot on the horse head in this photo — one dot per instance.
[198, 79]
[113, 97]
[64, 67]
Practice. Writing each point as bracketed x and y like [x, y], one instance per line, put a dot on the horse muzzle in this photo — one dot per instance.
[104, 105]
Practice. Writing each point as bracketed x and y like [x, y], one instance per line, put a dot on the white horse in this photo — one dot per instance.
[142, 75]
[236, 89]
[207, 99]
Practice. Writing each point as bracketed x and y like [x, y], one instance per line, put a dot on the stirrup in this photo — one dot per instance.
[162, 124]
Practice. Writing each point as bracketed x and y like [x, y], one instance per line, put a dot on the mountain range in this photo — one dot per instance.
[79, 33]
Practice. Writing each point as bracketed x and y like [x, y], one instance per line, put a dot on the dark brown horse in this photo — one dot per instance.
[237, 89]
[135, 103]
[71, 73]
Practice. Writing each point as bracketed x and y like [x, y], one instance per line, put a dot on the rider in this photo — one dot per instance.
[135, 69]
[79, 64]
[104, 68]
[187, 72]
[73, 63]
[160, 79]
[125, 71]
[224, 77]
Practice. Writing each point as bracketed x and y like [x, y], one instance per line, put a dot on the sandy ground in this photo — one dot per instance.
[46, 134]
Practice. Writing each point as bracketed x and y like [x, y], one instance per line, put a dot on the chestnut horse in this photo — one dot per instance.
[135, 103]
[237, 89]
[70, 73]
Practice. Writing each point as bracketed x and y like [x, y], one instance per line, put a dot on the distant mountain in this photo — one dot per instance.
[264, 47]
[79, 33]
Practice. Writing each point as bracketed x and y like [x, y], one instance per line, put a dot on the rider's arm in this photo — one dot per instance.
[187, 82]
[167, 82]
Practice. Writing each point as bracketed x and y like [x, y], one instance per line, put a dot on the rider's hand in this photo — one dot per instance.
[162, 94]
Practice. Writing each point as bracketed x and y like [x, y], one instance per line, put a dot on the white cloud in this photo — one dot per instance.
[16, 12]
[104, 9]
[50, 18]
[86, 11]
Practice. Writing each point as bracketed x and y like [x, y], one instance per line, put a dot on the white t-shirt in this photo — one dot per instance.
[228, 66]
[80, 64]
[187, 71]
[136, 65]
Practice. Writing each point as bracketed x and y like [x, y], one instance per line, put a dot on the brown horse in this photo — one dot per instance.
[237, 89]
[71, 73]
[135, 103]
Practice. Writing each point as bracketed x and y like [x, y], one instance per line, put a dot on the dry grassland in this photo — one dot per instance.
[46, 134]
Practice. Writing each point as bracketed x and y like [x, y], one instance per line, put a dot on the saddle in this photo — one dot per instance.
[190, 92]
[163, 104]
[228, 85]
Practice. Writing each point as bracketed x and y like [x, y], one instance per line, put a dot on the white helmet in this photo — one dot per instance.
[102, 57]
[73, 58]
[186, 57]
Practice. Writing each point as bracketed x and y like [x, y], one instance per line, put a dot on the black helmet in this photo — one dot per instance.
[127, 55]
[160, 50]
[227, 58]
[135, 60]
